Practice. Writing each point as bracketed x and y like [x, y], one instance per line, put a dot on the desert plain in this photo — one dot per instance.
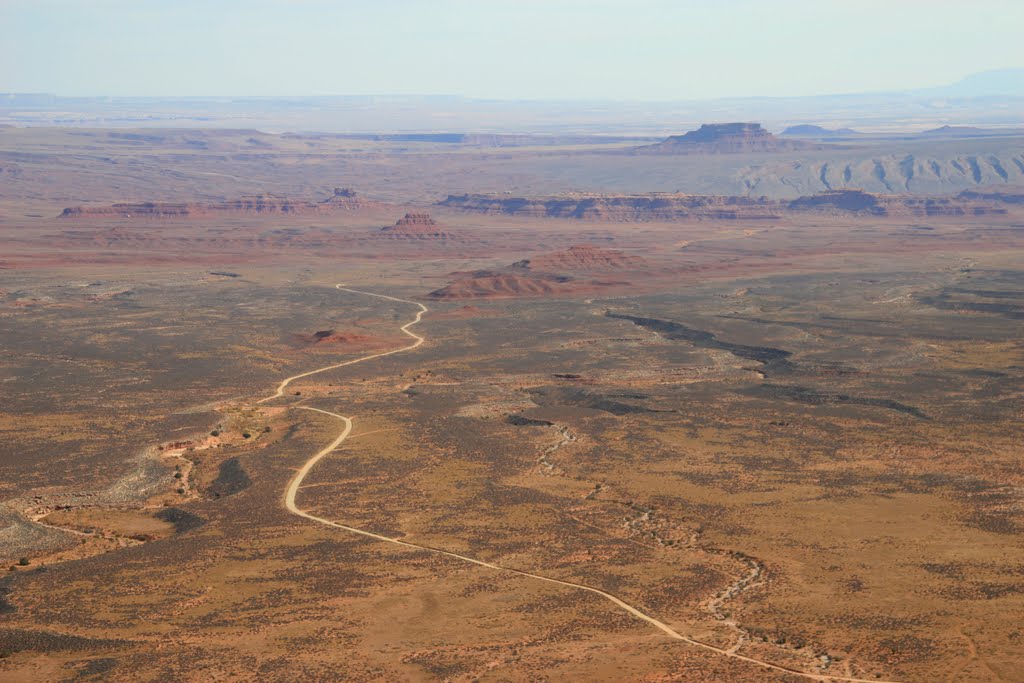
[287, 407]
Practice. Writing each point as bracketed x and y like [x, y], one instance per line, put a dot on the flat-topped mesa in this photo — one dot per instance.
[851, 201]
[813, 131]
[343, 199]
[724, 138]
[581, 258]
[716, 132]
[418, 222]
[416, 226]
[668, 208]
[864, 203]
[620, 208]
[125, 210]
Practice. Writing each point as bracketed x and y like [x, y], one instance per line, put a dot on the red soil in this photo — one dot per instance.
[582, 258]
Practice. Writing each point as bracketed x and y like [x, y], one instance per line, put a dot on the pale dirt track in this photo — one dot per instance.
[405, 328]
[296, 483]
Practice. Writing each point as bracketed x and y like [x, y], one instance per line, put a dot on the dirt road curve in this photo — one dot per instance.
[303, 472]
[405, 328]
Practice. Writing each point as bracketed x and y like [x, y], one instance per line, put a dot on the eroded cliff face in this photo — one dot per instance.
[671, 207]
[932, 173]
[654, 207]
[858, 202]
[343, 199]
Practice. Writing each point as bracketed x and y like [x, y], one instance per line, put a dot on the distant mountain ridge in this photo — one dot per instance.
[985, 84]
[812, 131]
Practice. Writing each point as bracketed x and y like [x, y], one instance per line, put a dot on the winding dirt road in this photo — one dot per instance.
[405, 328]
[296, 483]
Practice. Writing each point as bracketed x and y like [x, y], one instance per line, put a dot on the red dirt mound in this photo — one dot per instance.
[582, 258]
[488, 285]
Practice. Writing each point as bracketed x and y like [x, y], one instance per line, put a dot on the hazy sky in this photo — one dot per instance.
[607, 49]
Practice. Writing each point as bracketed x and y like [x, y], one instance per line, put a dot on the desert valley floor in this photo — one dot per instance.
[367, 438]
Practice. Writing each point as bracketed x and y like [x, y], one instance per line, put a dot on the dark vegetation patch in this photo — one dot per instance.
[853, 584]
[231, 478]
[908, 648]
[963, 489]
[19, 640]
[709, 479]
[979, 590]
[994, 522]
[880, 622]
[952, 300]
[183, 521]
[583, 399]
[521, 421]
[766, 463]
[986, 374]
[5, 589]
[817, 398]
[949, 570]
[99, 667]
[771, 358]
[844, 483]
[987, 293]
[929, 482]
